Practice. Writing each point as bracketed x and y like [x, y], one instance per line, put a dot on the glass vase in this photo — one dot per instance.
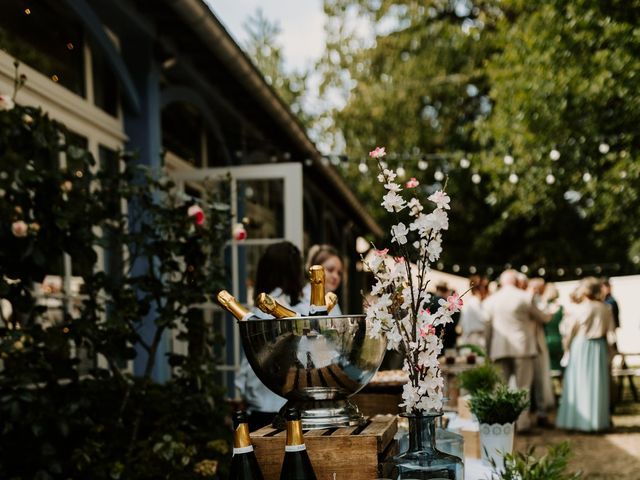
[423, 460]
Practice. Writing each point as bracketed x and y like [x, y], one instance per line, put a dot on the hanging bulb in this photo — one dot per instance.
[513, 178]
[554, 155]
[475, 178]
[550, 179]
[362, 167]
[465, 163]
[508, 160]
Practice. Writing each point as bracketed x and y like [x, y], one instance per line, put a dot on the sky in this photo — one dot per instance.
[301, 22]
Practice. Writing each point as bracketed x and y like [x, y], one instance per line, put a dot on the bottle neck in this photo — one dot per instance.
[422, 432]
[270, 305]
[228, 302]
[294, 433]
[241, 438]
[317, 299]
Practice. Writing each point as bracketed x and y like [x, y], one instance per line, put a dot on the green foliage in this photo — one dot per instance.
[63, 418]
[483, 79]
[501, 405]
[525, 466]
[482, 377]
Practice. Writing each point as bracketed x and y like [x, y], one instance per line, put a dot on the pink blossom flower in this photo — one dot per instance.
[377, 153]
[19, 229]
[197, 212]
[239, 233]
[382, 253]
[413, 183]
[399, 259]
[428, 330]
[453, 303]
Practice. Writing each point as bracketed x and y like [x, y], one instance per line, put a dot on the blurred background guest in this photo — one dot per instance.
[585, 395]
[280, 274]
[552, 329]
[473, 320]
[543, 396]
[511, 344]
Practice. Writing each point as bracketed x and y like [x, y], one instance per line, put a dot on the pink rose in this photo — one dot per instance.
[239, 233]
[197, 212]
[6, 102]
[19, 228]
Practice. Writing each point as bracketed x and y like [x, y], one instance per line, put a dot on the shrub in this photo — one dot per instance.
[482, 377]
[61, 419]
[498, 406]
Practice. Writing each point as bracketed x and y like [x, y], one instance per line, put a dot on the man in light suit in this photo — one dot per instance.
[511, 341]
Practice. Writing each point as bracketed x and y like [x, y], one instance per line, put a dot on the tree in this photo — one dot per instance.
[483, 92]
[264, 49]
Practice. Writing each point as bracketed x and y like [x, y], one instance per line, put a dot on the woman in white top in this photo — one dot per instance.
[329, 258]
[280, 274]
[473, 320]
[585, 393]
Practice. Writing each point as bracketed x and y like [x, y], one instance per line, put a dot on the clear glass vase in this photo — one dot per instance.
[423, 460]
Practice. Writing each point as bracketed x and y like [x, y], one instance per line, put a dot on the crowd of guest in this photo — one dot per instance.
[529, 336]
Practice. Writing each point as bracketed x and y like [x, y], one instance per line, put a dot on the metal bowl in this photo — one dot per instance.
[316, 363]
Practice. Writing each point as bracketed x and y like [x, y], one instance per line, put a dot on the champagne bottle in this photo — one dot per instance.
[296, 464]
[270, 305]
[229, 303]
[331, 299]
[244, 465]
[318, 303]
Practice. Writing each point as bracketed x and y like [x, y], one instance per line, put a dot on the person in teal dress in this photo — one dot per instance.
[584, 404]
[552, 329]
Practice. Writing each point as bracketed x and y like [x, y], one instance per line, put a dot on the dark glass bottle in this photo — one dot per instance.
[244, 465]
[296, 464]
[318, 302]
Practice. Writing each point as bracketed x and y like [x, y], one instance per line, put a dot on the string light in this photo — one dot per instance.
[439, 176]
[513, 178]
[423, 164]
[475, 178]
[508, 160]
[586, 178]
[464, 163]
[603, 148]
[554, 155]
[362, 167]
[550, 179]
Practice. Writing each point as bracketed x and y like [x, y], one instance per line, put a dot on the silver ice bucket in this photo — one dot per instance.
[316, 363]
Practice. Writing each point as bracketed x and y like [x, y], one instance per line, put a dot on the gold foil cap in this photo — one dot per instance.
[331, 300]
[241, 436]
[316, 279]
[269, 305]
[294, 433]
[229, 303]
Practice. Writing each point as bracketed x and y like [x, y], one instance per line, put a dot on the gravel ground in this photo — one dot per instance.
[604, 456]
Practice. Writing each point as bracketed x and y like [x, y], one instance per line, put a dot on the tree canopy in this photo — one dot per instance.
[530, 110]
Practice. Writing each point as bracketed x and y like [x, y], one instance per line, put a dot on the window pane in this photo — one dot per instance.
[105, 84]
[181, 132]
[43, 35]
[261, 207]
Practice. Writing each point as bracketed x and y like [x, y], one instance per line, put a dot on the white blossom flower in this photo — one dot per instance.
[393, 187]
[392, 202]
[387, 176]
[415, 206]
[441, 200]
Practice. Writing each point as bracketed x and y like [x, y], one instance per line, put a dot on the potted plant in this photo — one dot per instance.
[482, 377]
[497, 410]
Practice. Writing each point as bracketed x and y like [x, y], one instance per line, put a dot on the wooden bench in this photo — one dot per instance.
[622, 372]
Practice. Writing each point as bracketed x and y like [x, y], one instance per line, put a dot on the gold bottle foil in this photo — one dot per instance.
[229, 303]
[269, 305]
[316, 279]
[294, 432]
[331, 300]
[241, 436]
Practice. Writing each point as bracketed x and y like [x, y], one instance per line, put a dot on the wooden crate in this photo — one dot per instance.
[350, 453]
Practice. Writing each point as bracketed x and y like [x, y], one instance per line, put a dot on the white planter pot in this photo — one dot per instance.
[495, 441]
